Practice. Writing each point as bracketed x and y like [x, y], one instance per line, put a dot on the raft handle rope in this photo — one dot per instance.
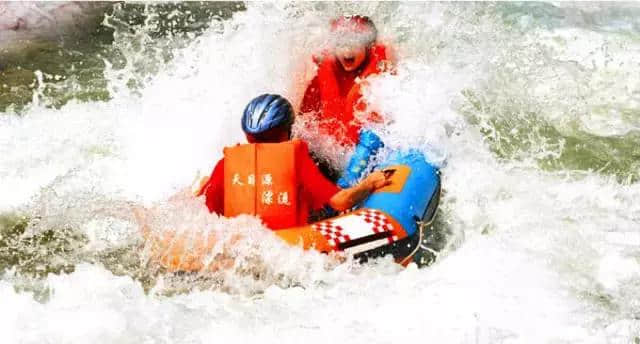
[422, 225]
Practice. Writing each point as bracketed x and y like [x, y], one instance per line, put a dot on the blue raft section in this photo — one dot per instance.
[412, 204]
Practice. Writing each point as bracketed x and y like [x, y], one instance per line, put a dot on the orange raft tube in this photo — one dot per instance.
[390, 221]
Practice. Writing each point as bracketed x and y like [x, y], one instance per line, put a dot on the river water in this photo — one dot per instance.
[531, 109]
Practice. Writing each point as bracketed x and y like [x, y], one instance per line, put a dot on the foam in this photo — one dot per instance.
[530, 253]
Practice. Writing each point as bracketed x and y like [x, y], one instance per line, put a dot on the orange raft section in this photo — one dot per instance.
[352, 233]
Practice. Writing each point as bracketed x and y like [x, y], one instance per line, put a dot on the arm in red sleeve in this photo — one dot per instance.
[213, 190]
[315, 184]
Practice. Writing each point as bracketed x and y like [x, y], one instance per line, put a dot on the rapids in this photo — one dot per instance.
[532, 110]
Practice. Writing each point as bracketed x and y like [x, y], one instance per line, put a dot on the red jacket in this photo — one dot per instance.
[333, 95]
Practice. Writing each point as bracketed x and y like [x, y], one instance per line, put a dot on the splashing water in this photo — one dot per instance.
[531, 110]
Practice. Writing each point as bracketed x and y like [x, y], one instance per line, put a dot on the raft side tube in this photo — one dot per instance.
[415, 182]
[403, 250]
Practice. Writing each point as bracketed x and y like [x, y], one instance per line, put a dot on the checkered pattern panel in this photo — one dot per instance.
[334, 233]
[361, 223]
[379, 222]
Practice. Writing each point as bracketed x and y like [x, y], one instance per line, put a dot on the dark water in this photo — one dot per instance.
[72, 65]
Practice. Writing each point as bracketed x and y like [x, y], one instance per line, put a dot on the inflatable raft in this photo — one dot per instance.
[392, 220]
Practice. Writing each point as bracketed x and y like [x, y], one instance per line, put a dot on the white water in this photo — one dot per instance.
[532, 256]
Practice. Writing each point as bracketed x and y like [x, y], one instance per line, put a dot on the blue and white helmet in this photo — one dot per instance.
[266, 112]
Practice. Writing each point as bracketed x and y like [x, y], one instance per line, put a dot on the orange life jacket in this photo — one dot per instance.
[260, 179]
[340, 95]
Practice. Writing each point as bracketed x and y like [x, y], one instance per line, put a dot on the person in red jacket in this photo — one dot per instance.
[273, 176]
[334, 94]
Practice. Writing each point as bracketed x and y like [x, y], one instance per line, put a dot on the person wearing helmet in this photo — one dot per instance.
[334, 94]
[273, 176]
